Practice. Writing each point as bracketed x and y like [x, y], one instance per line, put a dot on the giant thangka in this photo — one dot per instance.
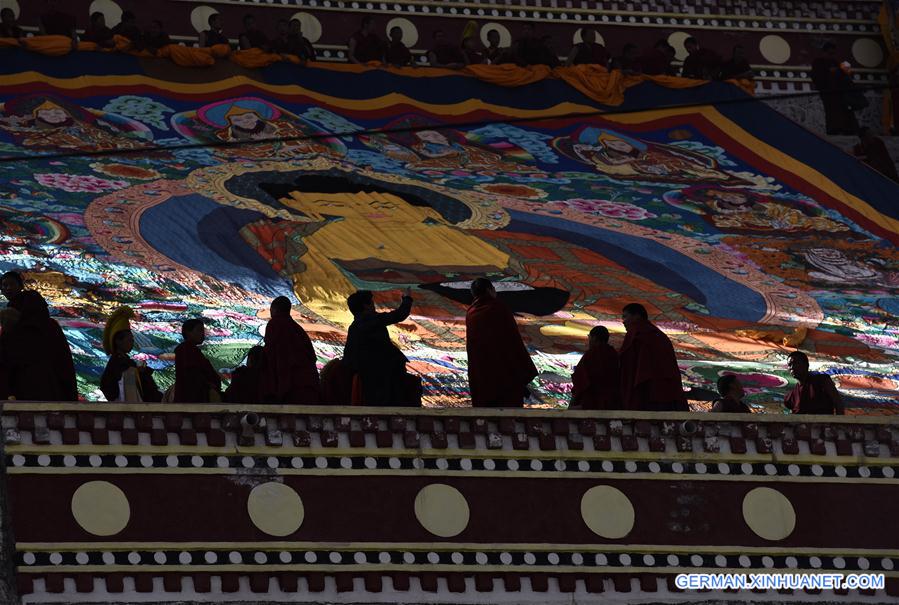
[745, 236]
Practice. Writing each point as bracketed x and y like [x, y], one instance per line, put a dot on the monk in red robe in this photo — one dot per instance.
[196, 381]
[596, 377]
[57, 367]
[499, 366]
[701, 63]
[290, 374]
[731, 390]
[815, 394]
[245, 380]
[374, 359]
[650, 378]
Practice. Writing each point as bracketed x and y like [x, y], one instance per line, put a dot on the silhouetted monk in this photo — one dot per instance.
[55, 22]
[245, 380]
[650, 378]
[815, 394]
[499, 366]
[701, 63]
[372, 356]
[8, 320]
[731, 390]
[55, 356]
[27, 375]
[290, 374]
[596, 377]
[196, 381]
[118, 340]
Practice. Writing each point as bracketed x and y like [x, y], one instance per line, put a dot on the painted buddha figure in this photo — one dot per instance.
[368, 240]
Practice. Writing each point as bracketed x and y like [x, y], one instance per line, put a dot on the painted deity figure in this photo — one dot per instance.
[626, 158]
[743, 210]
[392, 150]
[834, 266]
[272, 131]
[438, 152]
[47, 123]
[435, 147]
[365, 237]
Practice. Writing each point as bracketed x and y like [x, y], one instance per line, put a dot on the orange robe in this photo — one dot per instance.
[596, 380]
[650, 378]
[499, 366]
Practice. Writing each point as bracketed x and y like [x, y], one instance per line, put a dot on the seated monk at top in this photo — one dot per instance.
[128, 28]
[589, 51]
[737, 67]
[9, 28]
[731, 390]
[499, 366]
[214, 36]
[650, 377]
[701, 63]
[372, 356]
[55, 22]
[365, 45]
[627, 60]
[155, 37]
[815, 393]
[300, 44]
[445, 54]
[494, 54]
[596, 377]
[98, 33]
[196, 381]
[252, 36]
[657, 61]
[397, 53]
[123, 379]
[290, 375]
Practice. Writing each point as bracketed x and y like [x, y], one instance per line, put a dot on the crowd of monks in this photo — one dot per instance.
[365, 46]
[36, 362]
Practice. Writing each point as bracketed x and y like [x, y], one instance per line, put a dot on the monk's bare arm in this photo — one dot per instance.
[397, 315]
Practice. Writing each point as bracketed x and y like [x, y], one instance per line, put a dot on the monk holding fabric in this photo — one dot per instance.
[372, 357]
[290, 374]
[196, 381]
[596, 377]
[650, 378]
[815, 393]
[56, 356]
[499, 366]
[121, 372]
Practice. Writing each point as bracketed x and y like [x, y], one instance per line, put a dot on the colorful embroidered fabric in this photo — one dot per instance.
[745, 236]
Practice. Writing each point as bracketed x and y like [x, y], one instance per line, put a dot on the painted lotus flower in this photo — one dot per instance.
[621, 210]
[125, 171]
[77, 183]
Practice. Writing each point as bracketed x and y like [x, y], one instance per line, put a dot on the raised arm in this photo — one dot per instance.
[399, 314]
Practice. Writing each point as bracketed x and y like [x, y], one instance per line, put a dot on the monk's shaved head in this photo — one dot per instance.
[280, 306]
[360, 302]
[11, 283]
[599, 334]
[635, 309]
[481, 287]
[798, 365]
